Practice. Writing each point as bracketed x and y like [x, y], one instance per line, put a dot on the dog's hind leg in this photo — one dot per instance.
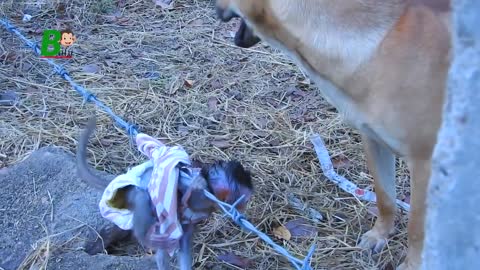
[381, 163]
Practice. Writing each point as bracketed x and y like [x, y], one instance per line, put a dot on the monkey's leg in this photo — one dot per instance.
[185, 258]
[163, 260]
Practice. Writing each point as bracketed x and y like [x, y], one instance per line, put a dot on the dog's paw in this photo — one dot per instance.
[373, 240]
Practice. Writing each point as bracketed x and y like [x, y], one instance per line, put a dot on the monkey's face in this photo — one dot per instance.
[67, 39]
[229, 181]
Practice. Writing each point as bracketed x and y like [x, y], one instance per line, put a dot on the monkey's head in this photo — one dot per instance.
[228, 181]
[67, 38]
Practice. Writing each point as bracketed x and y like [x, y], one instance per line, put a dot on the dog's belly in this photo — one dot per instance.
[353, 114]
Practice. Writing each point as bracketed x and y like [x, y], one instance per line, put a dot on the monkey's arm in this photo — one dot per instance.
[139, 203]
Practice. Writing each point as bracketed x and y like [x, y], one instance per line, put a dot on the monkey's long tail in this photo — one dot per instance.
[83, 170]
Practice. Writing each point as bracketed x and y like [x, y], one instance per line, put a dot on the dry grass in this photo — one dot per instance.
[252, 105]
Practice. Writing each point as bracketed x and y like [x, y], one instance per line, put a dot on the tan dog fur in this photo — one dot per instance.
[383, 64]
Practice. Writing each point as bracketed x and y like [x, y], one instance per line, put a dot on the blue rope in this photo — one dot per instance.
[236, 216]
[87, 96]
[228, 209]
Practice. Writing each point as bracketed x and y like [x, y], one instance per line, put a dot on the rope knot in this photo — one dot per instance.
[236, 215]
[132, 130]
[60, 70]
[9, 26]
[87, 97]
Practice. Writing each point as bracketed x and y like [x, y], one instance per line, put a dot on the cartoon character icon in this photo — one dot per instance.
[67, 38]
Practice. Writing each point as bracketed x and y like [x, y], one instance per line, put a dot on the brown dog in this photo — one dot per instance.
[383, 64]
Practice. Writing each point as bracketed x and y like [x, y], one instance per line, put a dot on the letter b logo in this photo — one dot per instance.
[50, 43]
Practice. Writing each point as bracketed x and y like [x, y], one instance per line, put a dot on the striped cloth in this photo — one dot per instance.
[160, 176]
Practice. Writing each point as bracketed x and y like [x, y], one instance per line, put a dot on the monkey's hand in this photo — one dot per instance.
[196, 187]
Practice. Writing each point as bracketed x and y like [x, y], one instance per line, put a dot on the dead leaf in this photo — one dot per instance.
[272, 102]
[261, 133]
[241, 109]
[275, 142]
[182, 130]
[188, 83]
[216, 84]
[91, 68]
[219, 116]
[165, 4]
[26, 66]
[61, 8]
[136, 53]
[196, 22]
[236, 260]
[300, 228]
[110, 63]
[262, 122]
[341, 162]
[236, 94]
[212, 103]
[309, 117]
[8, 57]
[293, 91]
[220, 143]
[8, 98]
[106, 142]
[123, 21]
[282, 233]
[153, 75]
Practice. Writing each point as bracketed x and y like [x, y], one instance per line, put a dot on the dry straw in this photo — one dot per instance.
[177, 76]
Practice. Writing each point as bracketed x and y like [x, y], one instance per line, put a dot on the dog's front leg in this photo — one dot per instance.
[381, 163]
[420, 170]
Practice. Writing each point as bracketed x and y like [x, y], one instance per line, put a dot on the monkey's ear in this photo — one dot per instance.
[242, 175]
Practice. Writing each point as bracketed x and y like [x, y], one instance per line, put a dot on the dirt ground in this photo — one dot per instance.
[177, 75]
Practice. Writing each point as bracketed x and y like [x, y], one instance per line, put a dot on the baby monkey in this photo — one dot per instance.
[227, 180]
